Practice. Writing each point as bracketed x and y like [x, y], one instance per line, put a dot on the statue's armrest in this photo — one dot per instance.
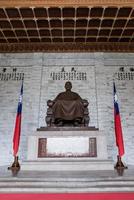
[50, 103]
[85, 102]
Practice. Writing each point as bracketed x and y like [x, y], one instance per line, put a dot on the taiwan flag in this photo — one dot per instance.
[17, 129]
[117, 123]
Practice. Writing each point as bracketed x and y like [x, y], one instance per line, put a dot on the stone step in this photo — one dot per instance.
[67, 164]
[61, 185]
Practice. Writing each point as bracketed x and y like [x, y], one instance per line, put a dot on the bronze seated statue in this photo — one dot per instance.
[67, 109]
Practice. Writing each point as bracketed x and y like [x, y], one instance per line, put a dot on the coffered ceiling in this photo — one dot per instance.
[35, 26]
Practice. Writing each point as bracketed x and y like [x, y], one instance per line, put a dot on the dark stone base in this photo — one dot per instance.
[90, 128]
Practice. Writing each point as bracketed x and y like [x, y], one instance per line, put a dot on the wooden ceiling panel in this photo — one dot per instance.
[81, 40]
[68, 12]
[91, 39]
[115, 39]
[44, 32]
[132, 14]
[68, 32]
[32, 33]
[124, 12]
[54, 12]
[110, 12]
[40, 12]
[59, 40]
[92, 32]
[116, 32]
[56, 32]
[82, 12]
[55, 23]
[29, 24]
[96, 12]
[8, 33]
[120, 23]
[81, 23]
[26, 12]
[17, 24]
[102, 39]
[68, 23]
[48, 40]
[130, 23]
[12, 40]
[69, 40]
[107, 23]
[21, 33]
[1, 35]
[3, 40]
[2, 14]
[80, 32]
[94, 22]
[12, 12]
[104, 32]
[42, 23]
[70, 27]
[128, 32]
[34, 40]
[124, 39]
[4, 24]
[23, 40]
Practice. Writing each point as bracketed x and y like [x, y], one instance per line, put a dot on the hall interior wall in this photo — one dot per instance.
[38, 87]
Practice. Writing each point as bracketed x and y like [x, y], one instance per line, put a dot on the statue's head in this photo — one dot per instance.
[68, 85]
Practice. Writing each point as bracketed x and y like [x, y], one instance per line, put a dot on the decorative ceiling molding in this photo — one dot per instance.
[47, 3]
[63, 47]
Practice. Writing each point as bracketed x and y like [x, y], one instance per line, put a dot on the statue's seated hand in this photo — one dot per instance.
[85, 102]
[50, 103]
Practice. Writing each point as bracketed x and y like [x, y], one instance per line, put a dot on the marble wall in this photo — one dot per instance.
[39, 85]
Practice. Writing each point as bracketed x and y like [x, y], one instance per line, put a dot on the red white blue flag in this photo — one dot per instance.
[17, 129]
[117, 123]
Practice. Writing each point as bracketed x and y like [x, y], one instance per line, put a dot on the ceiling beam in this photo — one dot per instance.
[52, 3]
[66, 47]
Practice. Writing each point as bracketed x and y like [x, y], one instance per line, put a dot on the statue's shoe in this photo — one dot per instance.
[76, 123]
[60, 123]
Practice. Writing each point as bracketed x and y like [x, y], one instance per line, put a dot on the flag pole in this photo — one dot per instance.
[15, 167]
[119, 164]
[119, 135]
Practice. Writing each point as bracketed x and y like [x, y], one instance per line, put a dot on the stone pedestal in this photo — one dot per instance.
[64, 149]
